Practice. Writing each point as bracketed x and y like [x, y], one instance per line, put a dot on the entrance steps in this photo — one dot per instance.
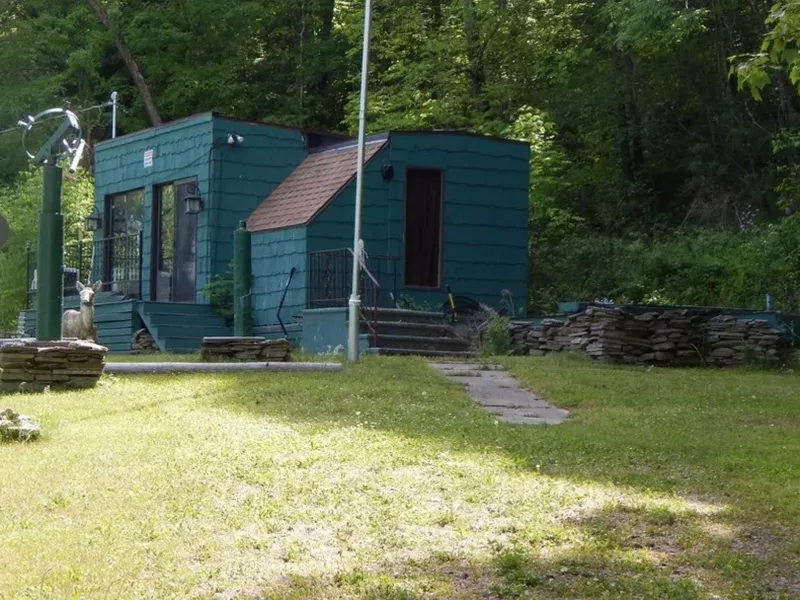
[411, 332]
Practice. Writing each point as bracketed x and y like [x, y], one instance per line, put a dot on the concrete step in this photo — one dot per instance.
[411, 342]
[411, 352]
[403, 315]
[181, 319]
[411, 329]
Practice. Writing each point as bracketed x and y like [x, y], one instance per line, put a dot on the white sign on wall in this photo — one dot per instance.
[148, 159]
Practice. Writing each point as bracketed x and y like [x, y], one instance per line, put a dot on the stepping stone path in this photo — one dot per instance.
[500, 394]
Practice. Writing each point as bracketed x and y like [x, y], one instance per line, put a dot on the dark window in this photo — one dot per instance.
[423, 239]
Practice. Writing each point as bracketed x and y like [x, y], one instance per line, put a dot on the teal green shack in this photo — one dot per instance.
[442, 211]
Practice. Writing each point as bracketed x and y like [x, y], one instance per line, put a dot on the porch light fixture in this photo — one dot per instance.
[193, 202]
[234, 139]
[93, 221]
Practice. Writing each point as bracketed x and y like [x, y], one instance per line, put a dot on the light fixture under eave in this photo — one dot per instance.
[193, 203]
[93, 221]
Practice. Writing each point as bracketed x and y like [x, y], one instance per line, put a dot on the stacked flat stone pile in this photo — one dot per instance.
[660, 337]
[244, 349]
[675, 338]
[143, 343]
[30, 365]
[734, 341]
[549, 336]
[608, 335]
[518, 331]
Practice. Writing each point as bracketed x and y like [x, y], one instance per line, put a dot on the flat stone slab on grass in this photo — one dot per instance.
[500, 394]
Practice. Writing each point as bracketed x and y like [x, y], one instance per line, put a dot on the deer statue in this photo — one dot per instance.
[80, 324]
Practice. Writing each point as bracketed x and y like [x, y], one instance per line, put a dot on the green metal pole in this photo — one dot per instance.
[242, 319]
[50, 258]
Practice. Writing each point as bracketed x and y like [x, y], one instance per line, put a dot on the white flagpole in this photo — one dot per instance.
[355, 301]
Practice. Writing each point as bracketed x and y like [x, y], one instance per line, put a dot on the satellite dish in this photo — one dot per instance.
[5, 232]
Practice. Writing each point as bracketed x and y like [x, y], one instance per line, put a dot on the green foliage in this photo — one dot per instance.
[779, 51]
[20, 203]
[707, 268]
[496, 339]
[219, 292]
[411, 303]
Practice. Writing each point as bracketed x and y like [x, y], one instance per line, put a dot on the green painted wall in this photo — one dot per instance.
[243, 176]
[233, 180]
[485, 219]
[274, 253]
[325, 332]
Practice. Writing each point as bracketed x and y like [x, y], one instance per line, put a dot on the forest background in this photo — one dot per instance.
[665, 134]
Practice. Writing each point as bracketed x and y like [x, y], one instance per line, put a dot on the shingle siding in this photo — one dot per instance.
[273, 254]
[245, 175]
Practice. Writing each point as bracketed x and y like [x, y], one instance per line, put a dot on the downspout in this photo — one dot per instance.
[211, 224]
[242, 277]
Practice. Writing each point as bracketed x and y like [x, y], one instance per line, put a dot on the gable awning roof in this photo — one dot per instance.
[311, 186]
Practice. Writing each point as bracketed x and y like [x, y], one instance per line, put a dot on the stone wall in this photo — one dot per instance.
[662, 337]
[30, 365]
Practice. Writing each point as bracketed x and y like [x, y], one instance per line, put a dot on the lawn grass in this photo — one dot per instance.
[385, 481]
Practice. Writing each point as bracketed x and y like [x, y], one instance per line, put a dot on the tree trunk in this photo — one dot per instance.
[129, 60]
[476, 72]
[436, 14]
[629, 124]
[327, 15]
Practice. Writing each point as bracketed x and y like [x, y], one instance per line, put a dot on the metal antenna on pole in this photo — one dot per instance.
[65, 141]
[355, 301]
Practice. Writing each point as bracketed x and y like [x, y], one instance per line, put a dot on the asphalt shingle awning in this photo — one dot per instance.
[311, 186]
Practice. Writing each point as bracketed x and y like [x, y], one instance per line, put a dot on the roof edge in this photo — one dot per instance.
[200, 117]
[211, 115]
[454, 132]
[350, 143]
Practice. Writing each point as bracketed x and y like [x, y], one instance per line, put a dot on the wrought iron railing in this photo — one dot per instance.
[116, 261]
[330, 274]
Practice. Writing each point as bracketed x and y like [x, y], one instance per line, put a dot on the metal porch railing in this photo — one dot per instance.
[116, 261]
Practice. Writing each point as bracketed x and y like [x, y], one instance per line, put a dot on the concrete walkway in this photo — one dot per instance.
[500, 394]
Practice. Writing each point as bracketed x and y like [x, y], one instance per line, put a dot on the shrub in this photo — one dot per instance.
[219, 292]
[497, 339]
